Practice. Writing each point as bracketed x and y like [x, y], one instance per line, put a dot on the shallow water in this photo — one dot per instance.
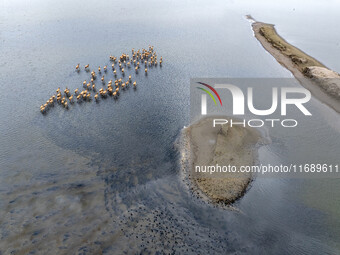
[105, 177]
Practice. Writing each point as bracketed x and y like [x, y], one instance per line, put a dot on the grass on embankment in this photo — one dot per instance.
[301, 59]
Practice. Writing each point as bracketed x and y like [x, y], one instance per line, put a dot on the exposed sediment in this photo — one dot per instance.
[208, 146]
[323, 83]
